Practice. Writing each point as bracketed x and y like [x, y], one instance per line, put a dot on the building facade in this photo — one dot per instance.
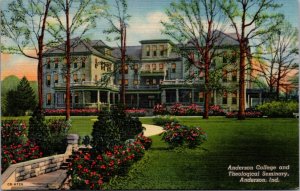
[154, 74]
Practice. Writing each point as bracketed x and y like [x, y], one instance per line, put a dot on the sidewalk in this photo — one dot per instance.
[152, 130]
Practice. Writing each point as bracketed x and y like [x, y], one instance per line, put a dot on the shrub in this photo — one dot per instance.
[86, 140]
[177, 109]
[74, 112]
[114, 128]
[279, 108]
[192, 110]
[177, 135]
[163, 120]
[160, 109]
[216, 110]
[13, 132]
[146, 141]
[89, 170]
[49, 135]
[248, 114]
[136, 112]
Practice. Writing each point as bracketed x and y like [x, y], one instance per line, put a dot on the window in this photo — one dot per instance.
[154, 47]
[173, 68]
[103, 66]
[126, 69]
[136, 67]
[96, 78]
[48, 63]
[49, 99]
[76, 97]
[224, 99]
[147, 81]
[201, 75]
[83, 62]
[234, 98]
[56, 63]
[75, 78]
[153, 67]
[160, 81]
[75, 64]
[161, 66]
[154, 81]
[120, 82]
[109, 67]
[48, 82]
[161, 50]
[126, 82]
[224, 76]
[96, 63]
[147, 50]
[201, 97]
[234, 76]
[148, 67]
[56, 78]
[135, 82]
[83, 77]
[65, 79]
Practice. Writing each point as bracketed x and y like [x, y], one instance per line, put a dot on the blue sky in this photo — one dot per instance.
[144, 24]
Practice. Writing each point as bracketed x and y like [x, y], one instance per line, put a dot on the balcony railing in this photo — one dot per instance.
[87, 84]
[143, 87]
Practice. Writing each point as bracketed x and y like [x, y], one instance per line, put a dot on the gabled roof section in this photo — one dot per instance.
[155, 41]
[133, 52]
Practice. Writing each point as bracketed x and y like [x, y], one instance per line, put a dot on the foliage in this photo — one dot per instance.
[136, 112]
[114, 128]
[14, 144]
[145, 141]
[21, 99]
[279, 108]
[13, 132]
[74, 112]
[177, 109]
[49, 135]
[89, 170]
[248, 114]
[178, 135]
[192, 110]
[216, 110]
[160, 109]
[163, 120]
[86, 140]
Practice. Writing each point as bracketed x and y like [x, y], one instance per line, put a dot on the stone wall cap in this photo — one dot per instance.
[73, 136]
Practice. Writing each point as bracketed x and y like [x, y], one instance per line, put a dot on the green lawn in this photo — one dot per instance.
[230, 142]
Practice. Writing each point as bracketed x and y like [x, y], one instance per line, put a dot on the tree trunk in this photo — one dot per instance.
[68, 62]
[123, 57]
[206, 89]
[241, 113]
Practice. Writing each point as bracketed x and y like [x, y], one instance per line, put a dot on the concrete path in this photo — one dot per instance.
[152, 130]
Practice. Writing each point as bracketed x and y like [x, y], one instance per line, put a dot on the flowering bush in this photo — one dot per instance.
[178, 109]
[15, 153]
[249, 114]
[193, 109]
[14, 144]
[89, 170]
[136, 112]
[160, 109]
[146, 141]
[179, 135]
[163, 120]
[74, 112]
[216, 110]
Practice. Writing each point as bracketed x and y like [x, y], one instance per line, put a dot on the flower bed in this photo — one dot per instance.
[216, 110]
[74, 112]
[178, 135]
[90, 169]
[160, 109]
[249, 114]
[136, 112]
[15, 147]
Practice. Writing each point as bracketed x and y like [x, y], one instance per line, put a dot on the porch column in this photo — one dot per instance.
[163, 97]
[108, 97]
[83, 99]
[98, 99]
[73, 98]
[114, 98]
[193, 93]
[177, 95]
[138, 100]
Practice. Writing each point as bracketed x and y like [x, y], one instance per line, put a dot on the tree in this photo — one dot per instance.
[21, 99]
[196, 23]
[84, 17]
[250, 20]
[118, 24]
[278, 57]
[24, 23]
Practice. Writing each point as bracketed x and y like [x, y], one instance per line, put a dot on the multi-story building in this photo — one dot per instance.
[153, 74]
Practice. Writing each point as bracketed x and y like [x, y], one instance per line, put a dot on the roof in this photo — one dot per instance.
[134, 52]
[155, 41]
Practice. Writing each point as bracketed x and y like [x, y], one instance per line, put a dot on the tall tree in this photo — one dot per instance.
[249, 19]
[198, 23]
[21, 99]
[118, 23]
[24, 23]
[74, 18]
[278, 56]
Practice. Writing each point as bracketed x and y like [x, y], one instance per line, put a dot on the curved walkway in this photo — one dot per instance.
[152, 130]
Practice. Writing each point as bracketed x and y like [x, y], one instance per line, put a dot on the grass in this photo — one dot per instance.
[230, 142]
